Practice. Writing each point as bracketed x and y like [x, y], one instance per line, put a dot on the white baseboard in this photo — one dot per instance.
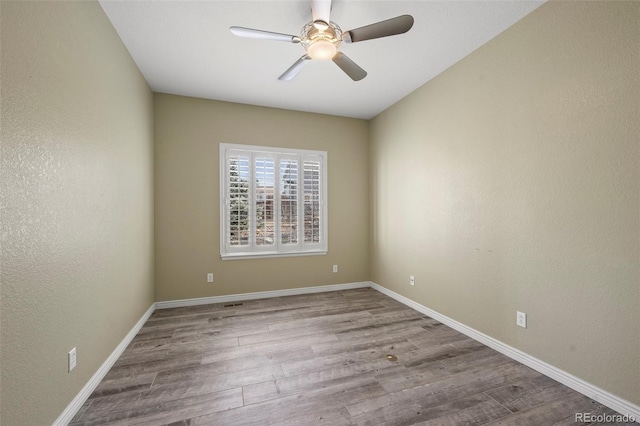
[95, 380]
[606, 398]
[259, 295]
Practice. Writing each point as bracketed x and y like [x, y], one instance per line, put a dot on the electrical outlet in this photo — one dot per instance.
[72, 359]
[412, 280]
[335, 268]
[210, 277]
[521, 319]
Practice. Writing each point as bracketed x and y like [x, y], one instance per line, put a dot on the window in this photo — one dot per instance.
[273, 202]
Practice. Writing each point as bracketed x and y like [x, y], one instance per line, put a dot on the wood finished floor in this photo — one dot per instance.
[320, 359]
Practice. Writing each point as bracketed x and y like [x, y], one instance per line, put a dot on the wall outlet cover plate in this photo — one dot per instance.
[521, 319]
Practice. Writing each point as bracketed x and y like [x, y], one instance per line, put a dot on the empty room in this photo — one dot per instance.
[319, 212]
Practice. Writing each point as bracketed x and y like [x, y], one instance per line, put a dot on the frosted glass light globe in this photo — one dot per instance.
[322, 50]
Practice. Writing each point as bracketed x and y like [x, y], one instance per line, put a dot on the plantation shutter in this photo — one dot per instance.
[313, 214]
[273, 202]
[289, 179]
[237, 203]
[264, 205]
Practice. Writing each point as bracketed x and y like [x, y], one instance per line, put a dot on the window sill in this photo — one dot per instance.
[241, 256]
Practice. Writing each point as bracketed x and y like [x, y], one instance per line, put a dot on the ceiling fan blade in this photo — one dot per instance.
[398, 25]
[295, 68]
[321, 10]
[352, 69]
[265, 35]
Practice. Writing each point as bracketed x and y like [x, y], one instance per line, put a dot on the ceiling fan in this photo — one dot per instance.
[321, 39]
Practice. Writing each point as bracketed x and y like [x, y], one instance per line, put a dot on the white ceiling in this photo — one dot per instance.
[185, 47]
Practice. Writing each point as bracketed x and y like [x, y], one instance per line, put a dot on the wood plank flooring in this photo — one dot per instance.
[320, 359]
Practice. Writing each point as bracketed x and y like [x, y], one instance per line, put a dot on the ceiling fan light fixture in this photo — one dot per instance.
[321, 38]
[322, 50]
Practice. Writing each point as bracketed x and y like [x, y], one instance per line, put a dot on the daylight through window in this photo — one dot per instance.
[273, 201]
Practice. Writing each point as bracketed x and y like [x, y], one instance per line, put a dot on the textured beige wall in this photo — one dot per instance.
[77, 202]
[512, 182]
[188, 132]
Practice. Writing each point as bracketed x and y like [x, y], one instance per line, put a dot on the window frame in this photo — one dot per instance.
[280, 249]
